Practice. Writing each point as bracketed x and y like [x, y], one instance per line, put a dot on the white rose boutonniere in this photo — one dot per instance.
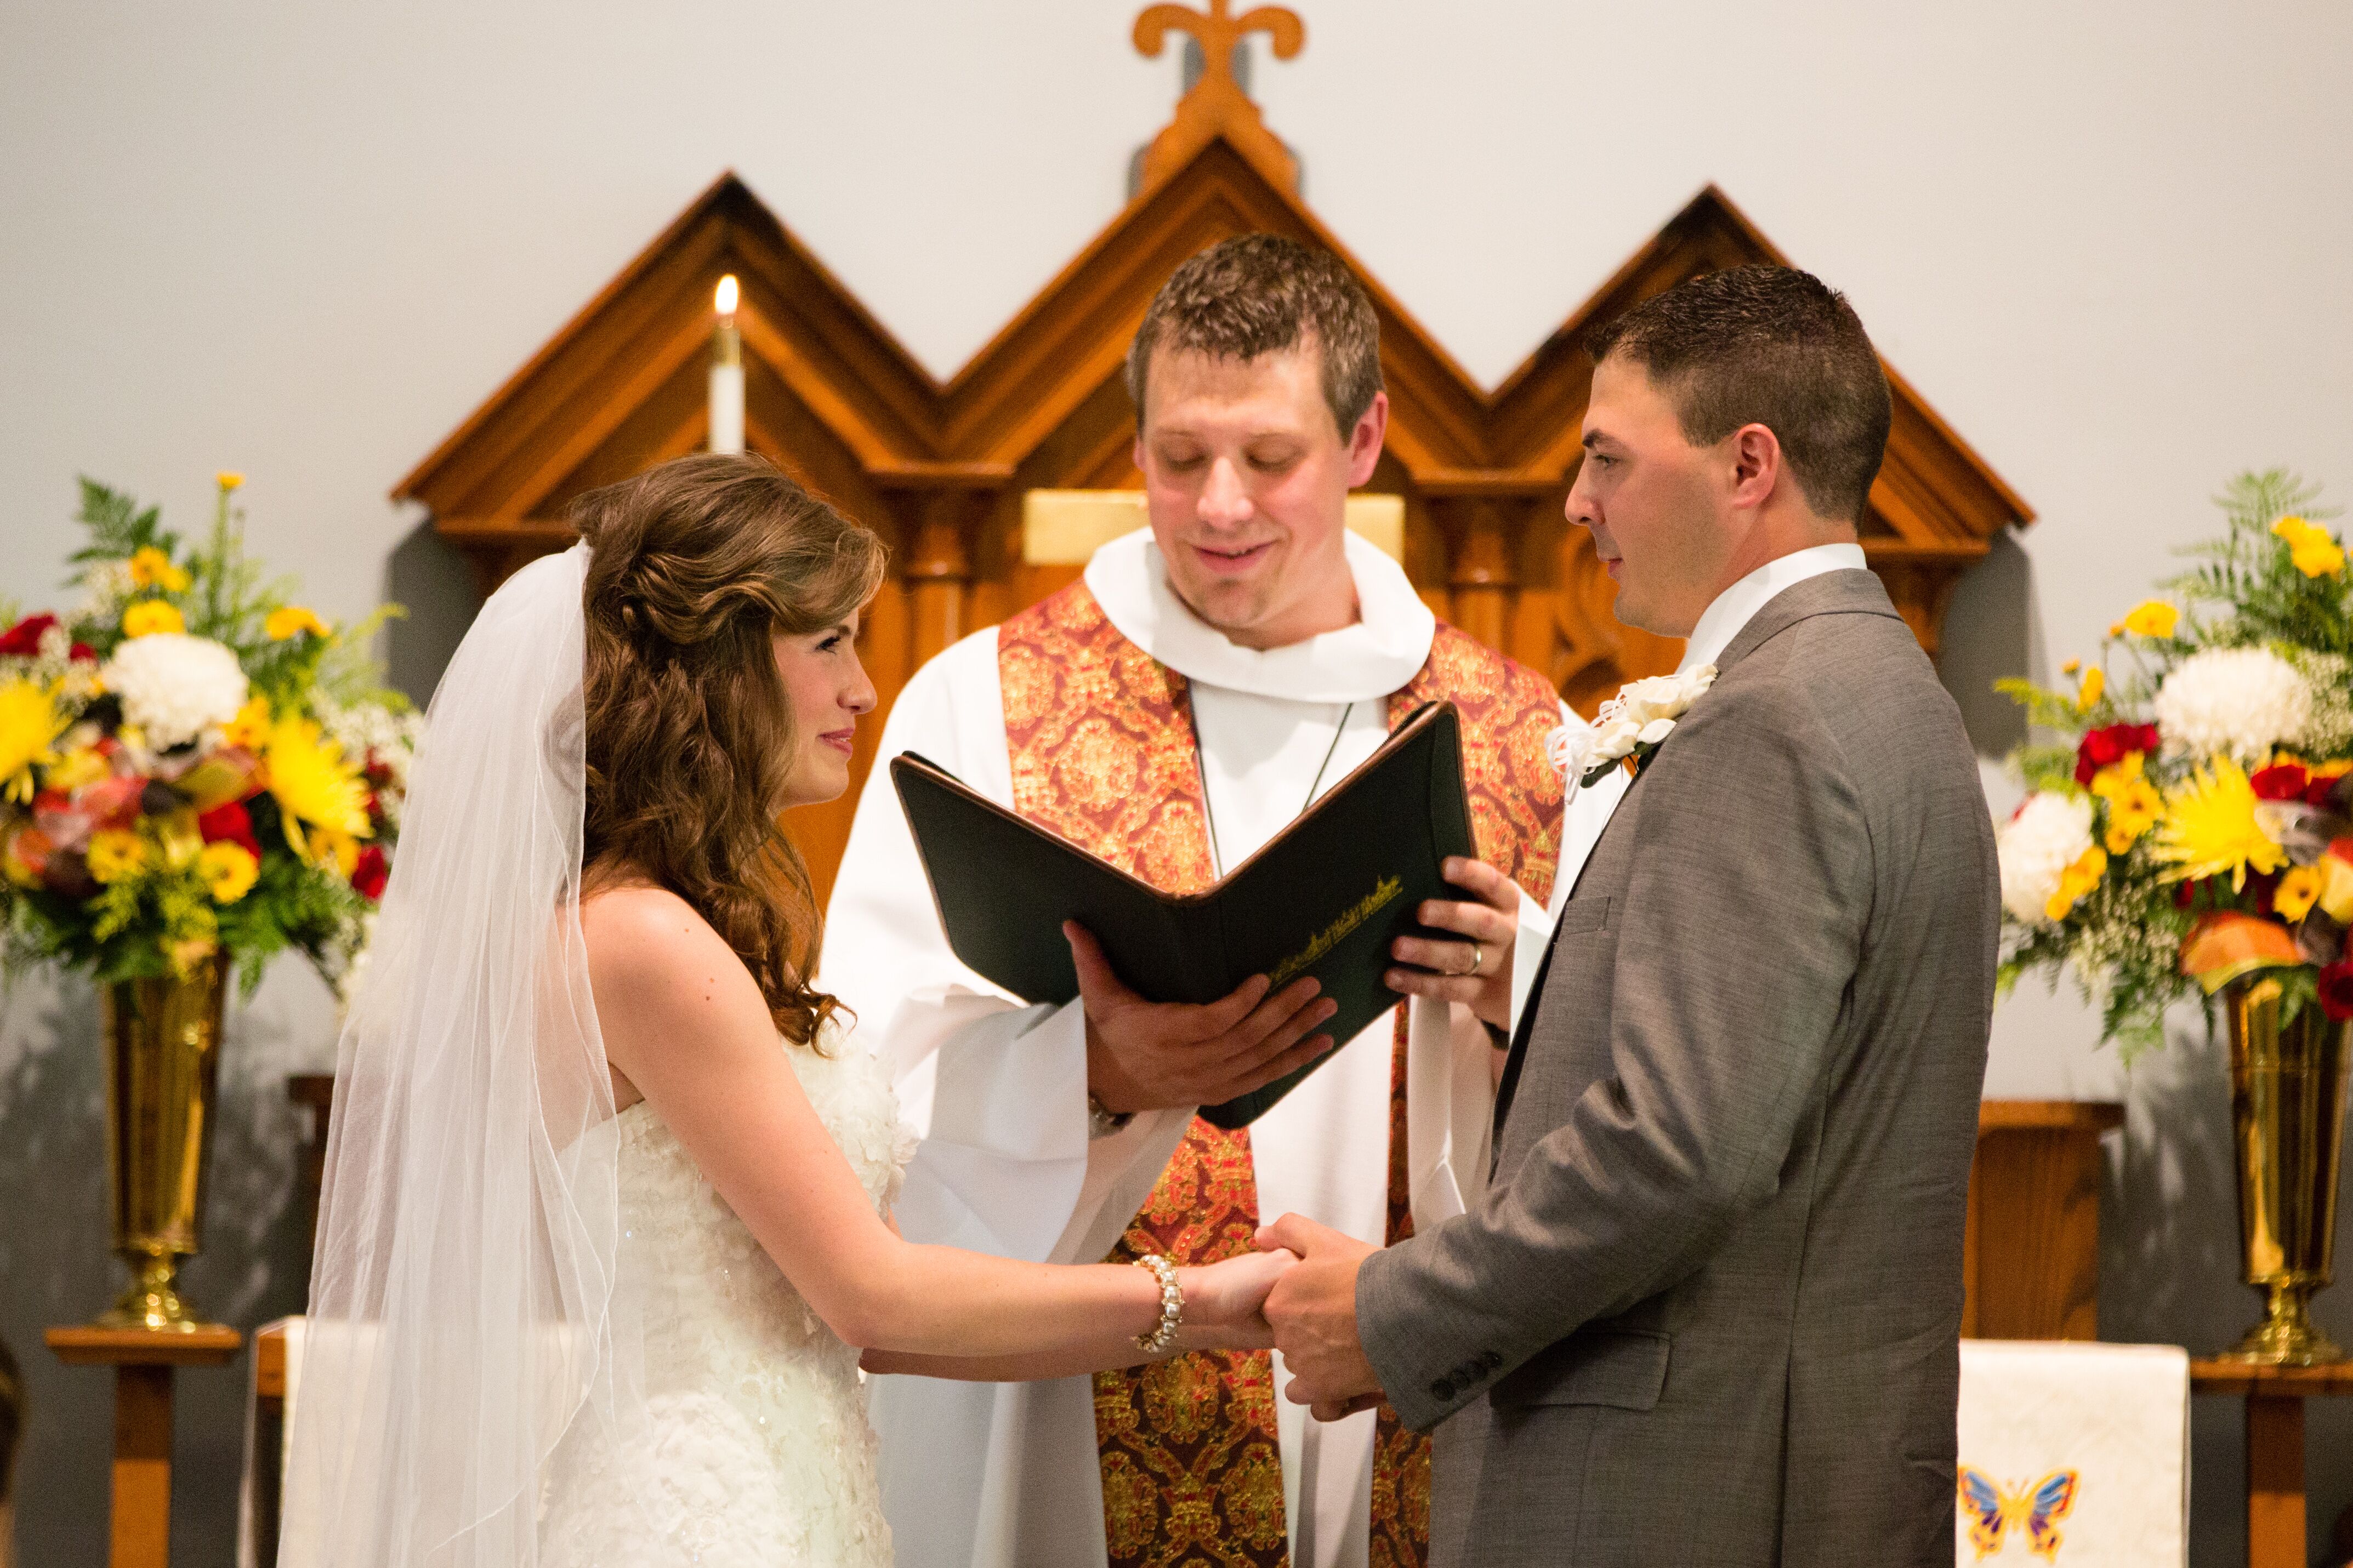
[1629, 727]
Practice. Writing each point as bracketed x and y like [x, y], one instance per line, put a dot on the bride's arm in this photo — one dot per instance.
[685, 1025]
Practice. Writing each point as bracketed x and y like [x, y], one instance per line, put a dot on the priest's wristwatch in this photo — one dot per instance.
[1103, 1120]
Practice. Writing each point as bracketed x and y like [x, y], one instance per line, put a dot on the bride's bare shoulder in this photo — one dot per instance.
[638, 934]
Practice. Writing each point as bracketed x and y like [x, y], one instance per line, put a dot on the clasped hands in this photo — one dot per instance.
[1297, 1294]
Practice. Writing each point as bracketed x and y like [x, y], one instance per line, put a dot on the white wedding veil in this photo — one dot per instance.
[464, 1312]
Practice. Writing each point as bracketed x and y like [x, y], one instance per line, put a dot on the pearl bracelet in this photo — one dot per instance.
[1172, 1305]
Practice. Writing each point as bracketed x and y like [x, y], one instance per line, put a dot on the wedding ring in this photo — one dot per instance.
[1478, 958]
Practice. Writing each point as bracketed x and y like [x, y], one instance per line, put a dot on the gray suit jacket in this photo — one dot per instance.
[1708, 1311]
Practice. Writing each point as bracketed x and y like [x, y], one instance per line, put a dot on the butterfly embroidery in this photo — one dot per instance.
[1992, 1507]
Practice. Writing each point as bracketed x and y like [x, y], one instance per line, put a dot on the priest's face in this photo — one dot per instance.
[1247, 479]
[826, 689]
[1656, 503]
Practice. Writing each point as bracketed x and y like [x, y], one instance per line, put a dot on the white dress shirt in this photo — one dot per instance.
[1738, 605]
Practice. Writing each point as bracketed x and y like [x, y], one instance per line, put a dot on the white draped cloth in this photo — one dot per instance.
[1006, 1475]
[2086, 1445]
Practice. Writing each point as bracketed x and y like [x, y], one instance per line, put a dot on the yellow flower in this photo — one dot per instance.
[229, 479]
[2071, 666]
[250, 728]
[229, 870]
[2209, 827]
[29, 727]
[2077, 880]
[315, 785]
[2319, 558]
[291, 621]
[2134, 804]
[2314, 554]
[2096, 680]
[2294, 897]
[115, 854]
[82, 766]
[2153, 618]
[150, 568]
[339, 850]
[149, 617]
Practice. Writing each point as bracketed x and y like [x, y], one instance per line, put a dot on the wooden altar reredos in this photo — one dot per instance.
[940, 469]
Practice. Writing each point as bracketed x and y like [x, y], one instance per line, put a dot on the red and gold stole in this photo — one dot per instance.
[1101, 737]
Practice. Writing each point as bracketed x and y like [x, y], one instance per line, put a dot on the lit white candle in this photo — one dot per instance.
[726, 372]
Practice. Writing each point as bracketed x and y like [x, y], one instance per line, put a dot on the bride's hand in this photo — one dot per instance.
[1225, 1302]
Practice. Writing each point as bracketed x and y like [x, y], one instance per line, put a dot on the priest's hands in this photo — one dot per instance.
[1225, 1302]
[1156, 1055]
[1312, 1309]
[1477, 969]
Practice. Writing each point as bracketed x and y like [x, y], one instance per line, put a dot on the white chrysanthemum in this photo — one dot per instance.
[2240, 701]
[173, 686]
[2050, 832]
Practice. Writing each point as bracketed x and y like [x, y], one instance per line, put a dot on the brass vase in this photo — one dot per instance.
[2287, 1116]
[163, 1065]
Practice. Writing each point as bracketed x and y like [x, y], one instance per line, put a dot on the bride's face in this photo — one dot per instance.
[827, 689]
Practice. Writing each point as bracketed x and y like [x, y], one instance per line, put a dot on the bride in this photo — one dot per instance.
[605, 1218]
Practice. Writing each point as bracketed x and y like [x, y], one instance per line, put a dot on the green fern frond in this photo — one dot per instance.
[118, 528]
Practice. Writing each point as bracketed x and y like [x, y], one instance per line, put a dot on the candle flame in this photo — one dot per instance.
[724, 300]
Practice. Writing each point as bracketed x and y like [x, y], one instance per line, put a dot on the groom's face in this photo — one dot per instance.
[1652, 500]
[1246, 479]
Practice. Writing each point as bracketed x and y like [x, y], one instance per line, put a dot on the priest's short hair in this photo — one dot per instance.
[1260, 294]
[1770, 346]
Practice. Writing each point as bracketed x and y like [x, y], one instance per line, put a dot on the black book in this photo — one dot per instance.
[1325, 897]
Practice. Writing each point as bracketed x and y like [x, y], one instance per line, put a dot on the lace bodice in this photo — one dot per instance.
[757, 1453]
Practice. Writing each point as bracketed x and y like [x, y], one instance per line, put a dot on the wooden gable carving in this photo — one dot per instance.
[940, 467]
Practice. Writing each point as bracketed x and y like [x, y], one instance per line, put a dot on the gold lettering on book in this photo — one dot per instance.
[1331, 936]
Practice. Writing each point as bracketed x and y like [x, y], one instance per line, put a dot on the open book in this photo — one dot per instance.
[1325, 897]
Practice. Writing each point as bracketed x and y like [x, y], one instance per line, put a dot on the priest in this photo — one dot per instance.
[1174, 709]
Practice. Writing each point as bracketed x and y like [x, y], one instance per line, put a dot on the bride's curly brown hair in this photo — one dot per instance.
[693, 568]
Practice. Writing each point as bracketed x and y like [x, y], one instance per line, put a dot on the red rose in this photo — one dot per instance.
[367, 876]
[2104, 748]
[2337, 990]
[83, 653]
[2281, 781]
[230, 824]
[24, 639]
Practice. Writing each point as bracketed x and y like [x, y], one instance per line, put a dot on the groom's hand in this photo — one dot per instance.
[1157, 1055]
[1313, 1310]
[1473, 965]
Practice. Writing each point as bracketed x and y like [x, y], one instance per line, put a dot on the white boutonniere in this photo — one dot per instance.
[1629, 727]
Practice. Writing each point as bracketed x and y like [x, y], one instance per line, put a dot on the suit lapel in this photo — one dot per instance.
[1842, 592]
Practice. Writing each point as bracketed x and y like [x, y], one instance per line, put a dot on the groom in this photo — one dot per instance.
[1707, 1310]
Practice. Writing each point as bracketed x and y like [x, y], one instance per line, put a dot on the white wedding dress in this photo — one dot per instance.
[757, 1452]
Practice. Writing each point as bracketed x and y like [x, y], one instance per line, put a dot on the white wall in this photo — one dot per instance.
[2109, 242]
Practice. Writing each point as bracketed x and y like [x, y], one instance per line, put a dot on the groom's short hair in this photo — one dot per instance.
[1260, 294]
[1770, 346]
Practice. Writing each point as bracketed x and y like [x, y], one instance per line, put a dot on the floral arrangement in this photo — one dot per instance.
[190, 764]
[2192, 822]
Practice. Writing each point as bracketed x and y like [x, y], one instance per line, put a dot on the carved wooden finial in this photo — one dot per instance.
[1217, 106]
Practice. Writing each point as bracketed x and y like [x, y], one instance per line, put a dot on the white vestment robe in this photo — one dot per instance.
[1006, 1475]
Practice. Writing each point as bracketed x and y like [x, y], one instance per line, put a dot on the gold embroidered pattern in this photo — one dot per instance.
[1101, 741]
